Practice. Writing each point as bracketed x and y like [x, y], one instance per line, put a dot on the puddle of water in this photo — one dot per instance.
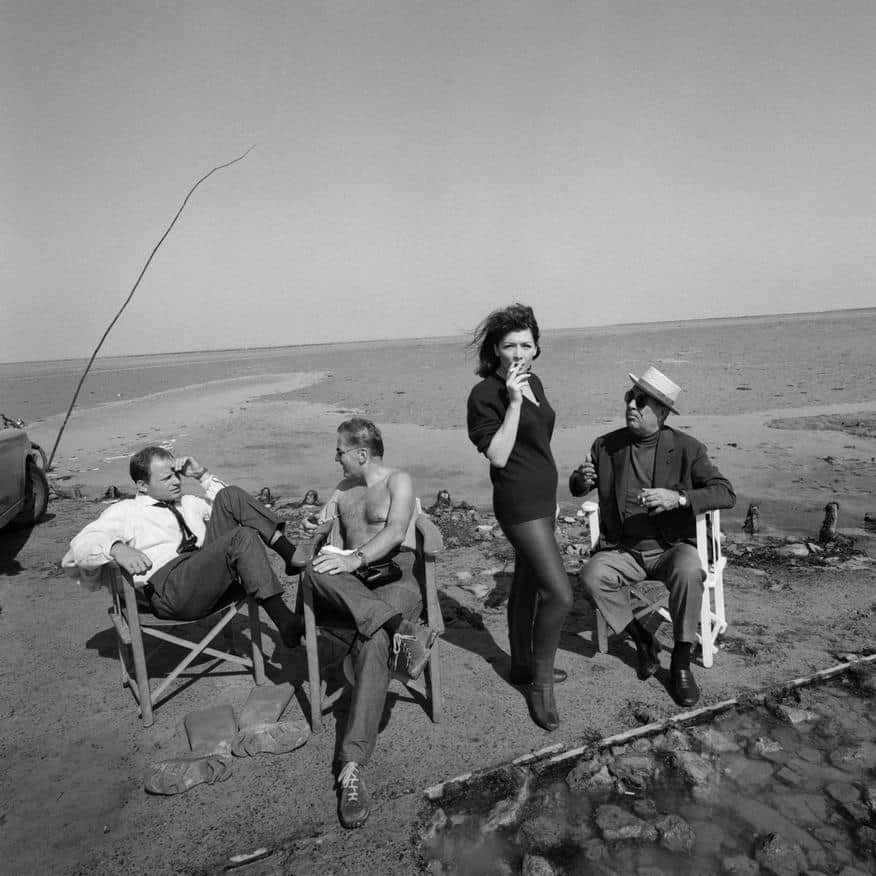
[784, 788]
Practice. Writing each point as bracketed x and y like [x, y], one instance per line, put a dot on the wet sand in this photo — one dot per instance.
[254, 432]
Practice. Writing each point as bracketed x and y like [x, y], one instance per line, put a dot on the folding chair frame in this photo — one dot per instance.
[132, 623]
[713, 620]
[429, 545]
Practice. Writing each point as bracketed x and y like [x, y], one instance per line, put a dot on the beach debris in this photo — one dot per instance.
[436, 824]
[778, 855]
[536, 865]
[507, 811]
[828, 527]
[752, 520]
[443, 502]
[272, 737]
[177, 775]
[243, 858]
[478, 588]
[796, 550]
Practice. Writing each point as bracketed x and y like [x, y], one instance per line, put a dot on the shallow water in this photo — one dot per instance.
[724, 366]
[778, 789]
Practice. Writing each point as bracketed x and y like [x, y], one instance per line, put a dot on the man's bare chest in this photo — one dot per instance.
[364, 505]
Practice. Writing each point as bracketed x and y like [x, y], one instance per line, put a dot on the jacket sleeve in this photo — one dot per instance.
[710, 490]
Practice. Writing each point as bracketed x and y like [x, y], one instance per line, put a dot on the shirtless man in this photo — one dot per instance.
[372, 581]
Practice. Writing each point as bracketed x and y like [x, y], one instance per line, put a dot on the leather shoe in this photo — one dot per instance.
[542, 706]
[683, 687]
[648, 661]
[523, 675]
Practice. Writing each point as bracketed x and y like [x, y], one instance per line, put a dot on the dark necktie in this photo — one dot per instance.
[189, 540]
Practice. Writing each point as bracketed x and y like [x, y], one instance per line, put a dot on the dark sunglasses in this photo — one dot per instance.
[640, 397]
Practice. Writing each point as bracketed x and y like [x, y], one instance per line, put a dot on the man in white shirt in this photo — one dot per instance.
[185, 553]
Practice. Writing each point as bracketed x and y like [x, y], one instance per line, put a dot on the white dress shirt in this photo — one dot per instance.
[142, 524]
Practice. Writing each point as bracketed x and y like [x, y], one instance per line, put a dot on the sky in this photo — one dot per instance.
[418, 164]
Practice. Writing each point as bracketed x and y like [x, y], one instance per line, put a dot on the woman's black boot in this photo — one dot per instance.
[542, 706]
[523, 675]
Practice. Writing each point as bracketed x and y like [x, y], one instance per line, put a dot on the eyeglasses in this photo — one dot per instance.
[339, 453]
[640, 397]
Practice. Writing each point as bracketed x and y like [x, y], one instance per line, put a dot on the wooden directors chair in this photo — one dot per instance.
[340, 630]
[713, 621]
[132, 622]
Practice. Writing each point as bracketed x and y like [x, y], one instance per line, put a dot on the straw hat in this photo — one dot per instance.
[656, 384]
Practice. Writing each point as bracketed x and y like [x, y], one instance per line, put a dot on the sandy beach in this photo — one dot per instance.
[74, 753]
[243, 431]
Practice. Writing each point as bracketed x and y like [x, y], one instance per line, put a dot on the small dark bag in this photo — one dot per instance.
[377, 574]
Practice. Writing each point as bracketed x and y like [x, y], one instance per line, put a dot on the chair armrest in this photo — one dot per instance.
[433, 543]
[591, 513]
[114, 576]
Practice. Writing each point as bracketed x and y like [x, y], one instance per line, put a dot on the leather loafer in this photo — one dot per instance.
[648, 659]
[683, 687]
[523, 675]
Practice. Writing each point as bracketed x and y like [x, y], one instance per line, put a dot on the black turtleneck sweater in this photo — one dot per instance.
[640, 531]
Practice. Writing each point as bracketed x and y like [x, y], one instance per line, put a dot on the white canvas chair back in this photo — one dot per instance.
[713, 621]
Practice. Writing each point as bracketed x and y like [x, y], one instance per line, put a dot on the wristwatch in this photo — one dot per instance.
[683, 500]
[360, 555]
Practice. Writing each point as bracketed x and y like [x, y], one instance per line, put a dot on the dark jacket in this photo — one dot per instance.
[680, 463]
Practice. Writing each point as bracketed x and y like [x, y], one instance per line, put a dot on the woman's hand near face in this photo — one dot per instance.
[515, 381]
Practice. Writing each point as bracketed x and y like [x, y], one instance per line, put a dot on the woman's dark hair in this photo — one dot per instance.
[516, 318]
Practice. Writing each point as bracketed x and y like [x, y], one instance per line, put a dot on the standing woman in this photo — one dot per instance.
[511, 422]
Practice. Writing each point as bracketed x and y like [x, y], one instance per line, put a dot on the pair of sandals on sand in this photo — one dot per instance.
[216, 737]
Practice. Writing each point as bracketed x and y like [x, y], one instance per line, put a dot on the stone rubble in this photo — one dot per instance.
[782, 790]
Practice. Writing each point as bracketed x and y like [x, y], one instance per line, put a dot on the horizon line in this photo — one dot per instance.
[661, 322]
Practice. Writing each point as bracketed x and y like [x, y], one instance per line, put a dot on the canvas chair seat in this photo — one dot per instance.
[132, 621]
[646, 601]
[340, 630]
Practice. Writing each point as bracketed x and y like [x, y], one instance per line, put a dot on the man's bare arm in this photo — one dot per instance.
[401, 508]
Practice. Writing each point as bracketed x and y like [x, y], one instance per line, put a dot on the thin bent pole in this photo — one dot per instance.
[131, 295]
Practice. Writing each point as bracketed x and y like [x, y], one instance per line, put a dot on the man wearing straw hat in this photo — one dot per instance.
[652, 481]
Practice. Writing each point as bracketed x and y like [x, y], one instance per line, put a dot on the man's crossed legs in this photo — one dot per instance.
[607, 577]
[193, 584]
[388, 637]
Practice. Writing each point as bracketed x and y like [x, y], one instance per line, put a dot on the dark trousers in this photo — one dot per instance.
[346, 595]
[608, 574]
[192, 585]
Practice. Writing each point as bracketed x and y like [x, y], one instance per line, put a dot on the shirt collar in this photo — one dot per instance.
[149, 502]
